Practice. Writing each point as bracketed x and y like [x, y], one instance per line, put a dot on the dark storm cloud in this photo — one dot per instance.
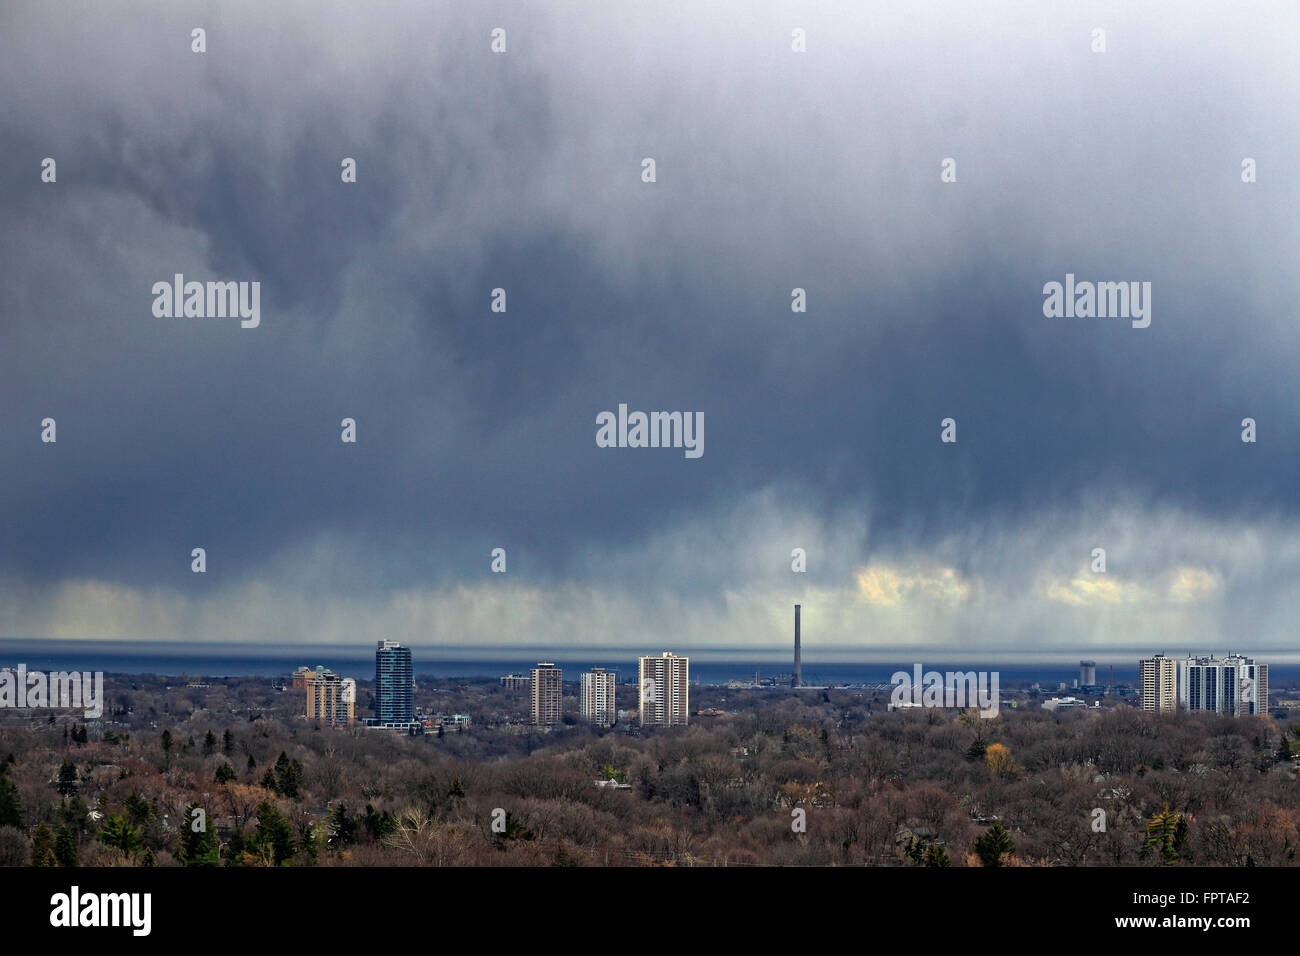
[521, 171]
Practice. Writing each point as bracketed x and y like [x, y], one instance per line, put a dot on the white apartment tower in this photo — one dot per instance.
[665, 690]
[598, 697]
[546, 683]
[1159, 683]
[1229, 685]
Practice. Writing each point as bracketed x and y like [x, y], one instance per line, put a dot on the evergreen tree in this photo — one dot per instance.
[274, 833]
[235, 849]
[308, 841]
[209, 744]
[148, 859]
[198, 848]
[43, 847]
[936, 855]
[137, 808]
[11, 807]
[379, 825]
[65, 847]
[516, 829]
[342, 827]
[227, 742]
[269, 781]
[73, 813]
[67, 778]
[117, 831]
[225, 773]
[993, 844]
[288, 777]
[1166, 832]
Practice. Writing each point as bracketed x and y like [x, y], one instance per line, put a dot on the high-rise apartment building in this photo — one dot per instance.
[1228, 685]
[665, 690]
[546, 690]
[331, 699]
[598, 697]
[1087, 673]
[394, 687]
[1159, 682]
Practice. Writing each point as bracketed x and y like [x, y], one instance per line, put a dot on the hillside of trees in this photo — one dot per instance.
[229, 776]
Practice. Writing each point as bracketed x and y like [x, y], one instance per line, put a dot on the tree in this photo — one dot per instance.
[273, 837]
[198, 848]
[1166, 833]
[209, 744]
[235, 849]
[456, 789]
[991, 846]
[516, 829]
[73, 812]
[935, 855]
[138, 809]
[65, 847]
[419, 836]
[225, 774]
[269, 781]
[11, 807]
[227, 742]
[379, 825]
[242, 800]
[117, 831]
[342, 827]
[998, 759]
[288, 777]
[67, 784]
[308, 839]
[43, 847]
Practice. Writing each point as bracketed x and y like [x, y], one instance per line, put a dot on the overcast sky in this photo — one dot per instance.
[775, 170]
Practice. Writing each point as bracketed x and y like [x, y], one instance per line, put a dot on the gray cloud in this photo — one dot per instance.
[522, 171]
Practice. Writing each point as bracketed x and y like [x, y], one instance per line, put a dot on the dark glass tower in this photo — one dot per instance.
[394, 694]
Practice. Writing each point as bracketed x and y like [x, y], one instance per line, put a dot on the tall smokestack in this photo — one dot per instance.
[798, 665]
